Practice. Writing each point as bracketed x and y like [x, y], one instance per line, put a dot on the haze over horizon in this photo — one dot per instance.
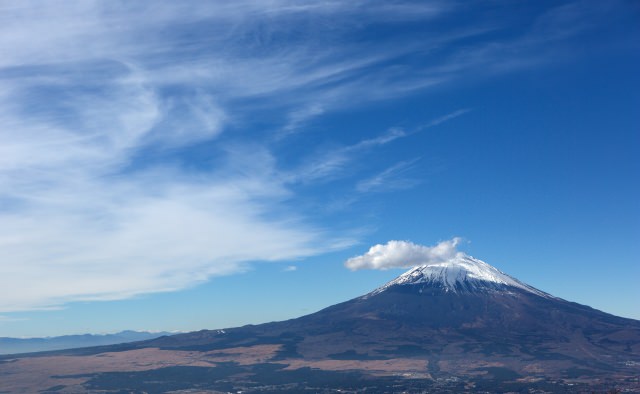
[202, 165]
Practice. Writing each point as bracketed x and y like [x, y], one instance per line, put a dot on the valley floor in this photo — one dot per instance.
[257, 369]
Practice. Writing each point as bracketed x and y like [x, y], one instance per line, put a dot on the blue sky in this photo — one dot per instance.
[170, 166]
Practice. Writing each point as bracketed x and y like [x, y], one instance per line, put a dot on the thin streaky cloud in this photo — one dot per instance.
[445, 118]
[328, 164]
[10, 319]
[390, 179]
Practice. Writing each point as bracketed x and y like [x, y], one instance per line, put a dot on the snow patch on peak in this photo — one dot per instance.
[462, 273]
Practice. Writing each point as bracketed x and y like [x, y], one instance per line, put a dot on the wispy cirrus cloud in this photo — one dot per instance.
[130, 159]
[389, 179]
[10, 319]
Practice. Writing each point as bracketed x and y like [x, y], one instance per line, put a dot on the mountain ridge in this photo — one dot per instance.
[10, 345]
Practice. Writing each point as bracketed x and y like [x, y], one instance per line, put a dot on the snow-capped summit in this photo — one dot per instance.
[461, 274]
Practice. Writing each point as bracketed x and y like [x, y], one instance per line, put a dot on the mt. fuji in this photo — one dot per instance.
[454, 326]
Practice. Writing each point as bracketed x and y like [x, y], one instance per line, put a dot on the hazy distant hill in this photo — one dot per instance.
[27, 345]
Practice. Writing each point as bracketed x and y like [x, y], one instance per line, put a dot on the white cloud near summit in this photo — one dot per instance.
[403, 254]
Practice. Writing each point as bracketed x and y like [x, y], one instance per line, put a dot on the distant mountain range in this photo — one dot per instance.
[27, 345]
[458, 326]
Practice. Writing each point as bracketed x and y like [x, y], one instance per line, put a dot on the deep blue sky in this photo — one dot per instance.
[212, 164]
